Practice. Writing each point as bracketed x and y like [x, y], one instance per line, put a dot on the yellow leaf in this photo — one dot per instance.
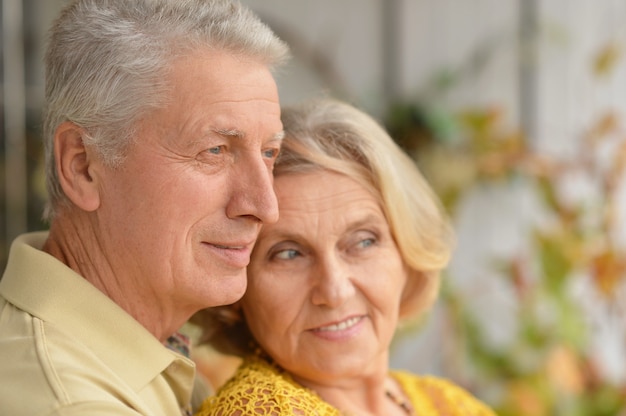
[607, 59]
[608, 269]
[564, 371]
[525, 399]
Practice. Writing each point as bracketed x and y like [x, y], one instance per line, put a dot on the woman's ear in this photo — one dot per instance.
[74, 164]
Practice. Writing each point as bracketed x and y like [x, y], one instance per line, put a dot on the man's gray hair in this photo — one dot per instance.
[107, 59]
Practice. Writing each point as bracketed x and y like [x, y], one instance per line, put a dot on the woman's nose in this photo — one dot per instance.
[334, 283]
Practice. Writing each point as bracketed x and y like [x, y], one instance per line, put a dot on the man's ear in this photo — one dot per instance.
[74, 164]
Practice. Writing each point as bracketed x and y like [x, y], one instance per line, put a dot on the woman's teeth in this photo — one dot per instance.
[341, 325]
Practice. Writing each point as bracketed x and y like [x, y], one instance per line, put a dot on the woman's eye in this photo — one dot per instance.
[288, 254]
[367, 242]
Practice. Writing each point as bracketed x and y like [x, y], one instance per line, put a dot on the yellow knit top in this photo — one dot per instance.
[261, 388]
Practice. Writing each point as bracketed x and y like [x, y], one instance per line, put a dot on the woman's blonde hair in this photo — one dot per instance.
[327, 134]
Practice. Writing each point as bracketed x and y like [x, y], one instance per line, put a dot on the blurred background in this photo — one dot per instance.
[515, 112]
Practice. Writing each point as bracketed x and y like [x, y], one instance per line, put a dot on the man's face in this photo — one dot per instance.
[180, 217]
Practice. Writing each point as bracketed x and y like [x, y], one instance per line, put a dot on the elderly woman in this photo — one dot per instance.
[359, 245]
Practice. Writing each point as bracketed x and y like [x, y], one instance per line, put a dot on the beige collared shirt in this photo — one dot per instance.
[67, 349]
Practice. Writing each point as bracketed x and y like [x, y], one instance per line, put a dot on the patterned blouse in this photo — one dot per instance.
[261, 388]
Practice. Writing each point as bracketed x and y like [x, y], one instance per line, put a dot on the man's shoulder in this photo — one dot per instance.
[46, 369]
[37, 357]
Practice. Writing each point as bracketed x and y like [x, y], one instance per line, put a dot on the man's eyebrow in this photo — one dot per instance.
[279, 136]
[239, 134]
[229, 132]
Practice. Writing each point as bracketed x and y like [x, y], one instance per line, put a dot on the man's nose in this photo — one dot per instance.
[254, 195]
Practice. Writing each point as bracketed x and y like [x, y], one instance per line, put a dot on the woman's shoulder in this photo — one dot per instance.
[435, 395]
[259, 387]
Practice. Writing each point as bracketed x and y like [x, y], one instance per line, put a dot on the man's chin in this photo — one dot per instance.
[227, 290]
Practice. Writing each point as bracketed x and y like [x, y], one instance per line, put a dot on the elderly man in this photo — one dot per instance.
[161, 129]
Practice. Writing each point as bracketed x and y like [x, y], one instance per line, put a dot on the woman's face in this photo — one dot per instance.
[325, 281]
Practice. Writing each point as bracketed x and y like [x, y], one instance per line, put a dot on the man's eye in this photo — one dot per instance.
[271, 153]
[216, 150]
